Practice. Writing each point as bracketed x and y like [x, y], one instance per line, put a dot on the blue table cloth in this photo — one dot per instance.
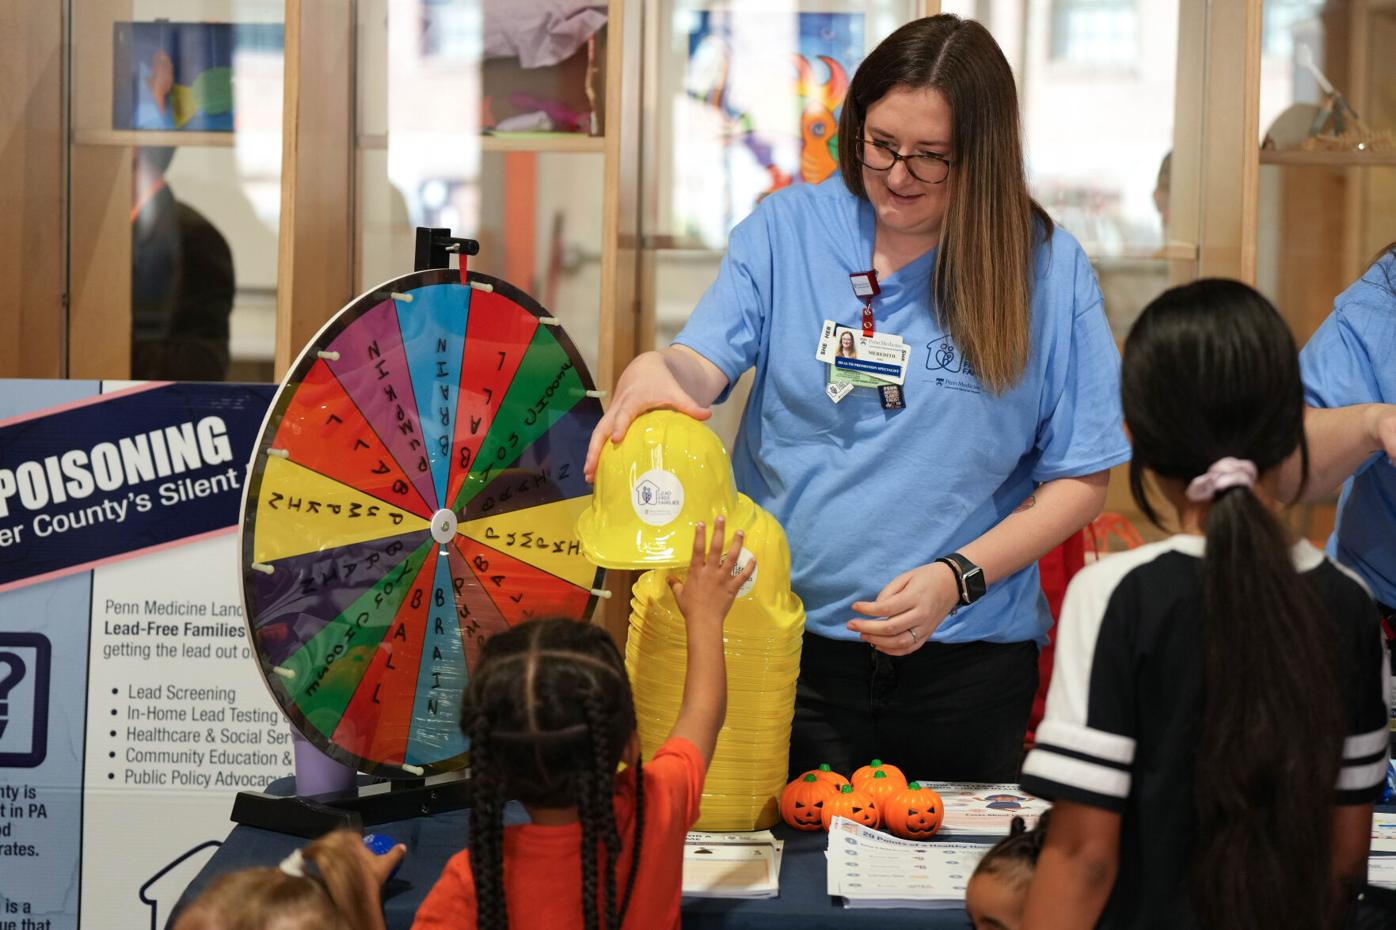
[803, 903]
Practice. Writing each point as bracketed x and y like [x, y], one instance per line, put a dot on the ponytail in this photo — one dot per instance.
[1015, 856]
[1270, 742]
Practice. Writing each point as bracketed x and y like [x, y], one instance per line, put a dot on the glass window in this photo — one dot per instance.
[1102, 33]
[457, 130]
[1100, 152]
[742, 99]
[1328, 162]
[182, 103]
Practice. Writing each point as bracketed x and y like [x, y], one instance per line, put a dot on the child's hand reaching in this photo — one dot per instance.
[712, 585]
[704, 597]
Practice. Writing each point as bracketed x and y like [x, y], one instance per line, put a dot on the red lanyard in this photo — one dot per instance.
[865, 288]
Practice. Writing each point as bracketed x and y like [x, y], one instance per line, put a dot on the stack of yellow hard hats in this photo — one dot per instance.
[763, 631]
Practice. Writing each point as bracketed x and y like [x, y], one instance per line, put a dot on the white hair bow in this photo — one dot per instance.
[293, 864]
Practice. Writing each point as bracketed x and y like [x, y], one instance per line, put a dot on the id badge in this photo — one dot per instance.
[883, 357]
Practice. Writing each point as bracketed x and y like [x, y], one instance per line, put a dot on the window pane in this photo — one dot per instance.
[182, 103]
[741, 100]
[1095, 32]
[458, 131]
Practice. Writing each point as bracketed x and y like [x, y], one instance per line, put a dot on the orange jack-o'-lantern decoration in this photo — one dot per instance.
[877, 765]
[827, 775]
[882, 787]
[856, 805]
[802, 802]
[913, 813]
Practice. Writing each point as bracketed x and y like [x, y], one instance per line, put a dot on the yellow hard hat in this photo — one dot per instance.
[765, 604]
[668, 473]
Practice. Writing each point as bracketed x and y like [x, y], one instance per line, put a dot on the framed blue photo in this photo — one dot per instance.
[171, 76]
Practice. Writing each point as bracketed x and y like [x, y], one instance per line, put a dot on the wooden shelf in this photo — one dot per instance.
[112, 137]
[1375, 159]
[1177, 251]
[543, 142]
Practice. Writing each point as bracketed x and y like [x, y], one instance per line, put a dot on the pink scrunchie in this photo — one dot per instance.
[1224, 473]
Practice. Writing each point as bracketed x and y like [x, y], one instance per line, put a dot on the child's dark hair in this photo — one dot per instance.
[1210, 371]
[549, 713]
[1015, 856]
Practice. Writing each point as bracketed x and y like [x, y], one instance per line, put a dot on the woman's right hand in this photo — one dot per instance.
[648, 383]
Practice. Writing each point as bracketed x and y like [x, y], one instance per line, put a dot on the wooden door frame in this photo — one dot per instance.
[33, 239]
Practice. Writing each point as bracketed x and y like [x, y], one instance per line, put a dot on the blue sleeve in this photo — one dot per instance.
[730, 326]
[1081, 430]
[1338, 362]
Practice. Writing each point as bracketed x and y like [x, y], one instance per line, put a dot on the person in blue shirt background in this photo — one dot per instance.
[915, 522]
[1351, 360]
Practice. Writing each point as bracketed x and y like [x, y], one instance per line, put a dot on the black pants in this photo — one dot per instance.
[947, 712]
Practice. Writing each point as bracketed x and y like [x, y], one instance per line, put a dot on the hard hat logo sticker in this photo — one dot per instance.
[658, 497]
[743, 560]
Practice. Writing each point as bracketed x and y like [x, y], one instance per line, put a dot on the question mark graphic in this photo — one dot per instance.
[8, 681]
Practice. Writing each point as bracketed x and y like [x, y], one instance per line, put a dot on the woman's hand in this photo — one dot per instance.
[652, 381]
[914, 604]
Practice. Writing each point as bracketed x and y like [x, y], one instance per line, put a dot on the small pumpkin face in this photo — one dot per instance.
[858, 806]
[861, 776]
[802, 802]
[827, 775]
[914, 813]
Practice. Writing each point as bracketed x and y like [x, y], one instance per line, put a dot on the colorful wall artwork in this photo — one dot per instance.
[763, 91]
[180, 76]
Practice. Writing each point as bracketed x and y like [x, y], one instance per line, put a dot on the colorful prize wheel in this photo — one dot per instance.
[414, 490]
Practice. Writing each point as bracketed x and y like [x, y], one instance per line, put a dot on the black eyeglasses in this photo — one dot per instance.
[927, 167]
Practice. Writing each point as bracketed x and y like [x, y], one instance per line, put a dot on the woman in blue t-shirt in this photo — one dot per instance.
[1351, 359]
[916, 510]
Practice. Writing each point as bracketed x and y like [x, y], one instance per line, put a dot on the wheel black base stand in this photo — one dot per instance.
[367, 805]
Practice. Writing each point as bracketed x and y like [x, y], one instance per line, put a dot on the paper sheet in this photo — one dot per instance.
[732, 865]
[872, 869]
[984, 809]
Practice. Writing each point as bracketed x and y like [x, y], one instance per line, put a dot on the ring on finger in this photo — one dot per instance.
[914, 638]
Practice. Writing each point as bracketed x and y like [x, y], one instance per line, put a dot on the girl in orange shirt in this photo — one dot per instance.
[550, 717]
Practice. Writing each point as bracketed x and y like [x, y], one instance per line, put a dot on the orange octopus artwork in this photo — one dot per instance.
[818, 124]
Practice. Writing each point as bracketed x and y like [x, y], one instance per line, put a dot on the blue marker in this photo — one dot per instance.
[380, 845]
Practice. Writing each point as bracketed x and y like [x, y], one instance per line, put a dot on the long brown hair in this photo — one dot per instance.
[984, 265]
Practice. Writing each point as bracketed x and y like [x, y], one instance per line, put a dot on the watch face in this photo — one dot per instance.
[974, 583]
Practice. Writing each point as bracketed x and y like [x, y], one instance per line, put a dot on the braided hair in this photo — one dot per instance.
[1015, 856]
[549, 713]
